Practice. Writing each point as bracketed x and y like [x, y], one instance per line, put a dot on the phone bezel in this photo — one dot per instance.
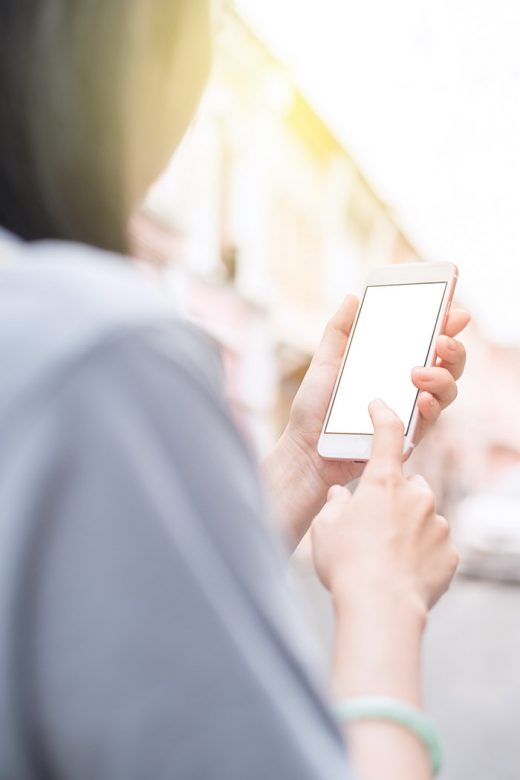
[347, 446]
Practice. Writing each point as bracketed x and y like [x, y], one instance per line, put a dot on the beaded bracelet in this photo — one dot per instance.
[395, 711]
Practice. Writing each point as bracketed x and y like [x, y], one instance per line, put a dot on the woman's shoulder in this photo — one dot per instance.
[61, 303]
[80, 283]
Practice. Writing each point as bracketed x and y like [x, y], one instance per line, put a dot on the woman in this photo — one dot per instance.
[144, 627]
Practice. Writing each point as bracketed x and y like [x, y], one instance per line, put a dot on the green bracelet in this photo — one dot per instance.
[395, 711]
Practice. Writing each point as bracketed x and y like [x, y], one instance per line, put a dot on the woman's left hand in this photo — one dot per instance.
[298, 477]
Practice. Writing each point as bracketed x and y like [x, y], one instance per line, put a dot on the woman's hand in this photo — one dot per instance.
[386, 541]
[297, 476]
[386, 556]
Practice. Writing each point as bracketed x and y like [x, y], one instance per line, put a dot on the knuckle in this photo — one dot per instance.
[443, 378]
[454, 559]
[388, 477]
[418, 481]
[394, 425]
[443, 527]
[462, 365]
[330, 327]
[422, 494]
[428, 501]
[336, 325]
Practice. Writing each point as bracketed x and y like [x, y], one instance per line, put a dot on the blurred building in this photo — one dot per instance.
[262, 224]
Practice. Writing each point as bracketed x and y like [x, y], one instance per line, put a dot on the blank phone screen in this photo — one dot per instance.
[393, 335]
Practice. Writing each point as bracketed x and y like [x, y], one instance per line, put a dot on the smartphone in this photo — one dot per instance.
[403, 310]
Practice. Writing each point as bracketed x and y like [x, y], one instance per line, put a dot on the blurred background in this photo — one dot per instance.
[336, 136]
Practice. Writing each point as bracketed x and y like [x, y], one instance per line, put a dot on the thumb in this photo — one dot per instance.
[338, 493]
[334, 341]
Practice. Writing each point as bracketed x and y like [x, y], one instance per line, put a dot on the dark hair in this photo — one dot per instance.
[62, 124]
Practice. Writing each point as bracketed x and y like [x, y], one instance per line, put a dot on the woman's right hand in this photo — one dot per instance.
[387, 539]
[386, 556]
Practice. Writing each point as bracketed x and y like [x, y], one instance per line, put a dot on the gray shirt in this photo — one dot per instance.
[145, 630]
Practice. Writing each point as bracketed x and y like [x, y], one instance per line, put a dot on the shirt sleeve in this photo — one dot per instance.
[159, 641]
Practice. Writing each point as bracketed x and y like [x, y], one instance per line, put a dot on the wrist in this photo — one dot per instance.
[378, 646]
[382, 598]
[383, 612]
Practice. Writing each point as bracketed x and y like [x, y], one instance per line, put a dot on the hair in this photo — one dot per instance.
[63, 90]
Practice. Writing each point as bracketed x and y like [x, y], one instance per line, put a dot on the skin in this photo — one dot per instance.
[384, 554]
[382, 599]
[297, 476]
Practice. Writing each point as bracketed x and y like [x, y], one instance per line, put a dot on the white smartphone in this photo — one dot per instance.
[403, 310]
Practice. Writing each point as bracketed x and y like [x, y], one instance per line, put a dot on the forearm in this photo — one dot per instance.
[378, 653]
[296, 489]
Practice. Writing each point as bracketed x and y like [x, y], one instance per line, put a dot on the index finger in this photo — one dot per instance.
[387, 448]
